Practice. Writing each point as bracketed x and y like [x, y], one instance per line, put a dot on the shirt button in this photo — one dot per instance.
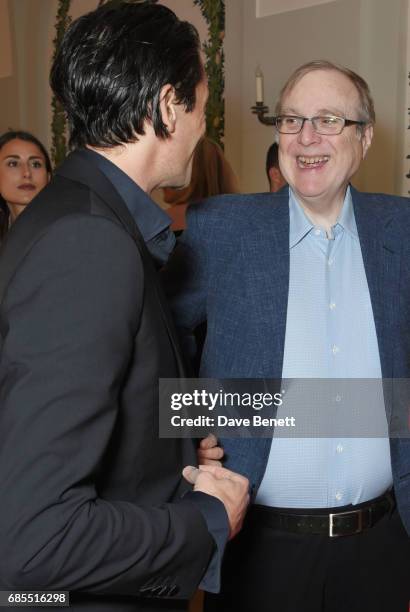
[338, 496]
[335, 349]
[317, 232]
[332, 305]
[339, 449]
[330, 261]
[338, 398]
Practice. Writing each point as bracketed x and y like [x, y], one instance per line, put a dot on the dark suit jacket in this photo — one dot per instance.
[232, 268]
[85, 483]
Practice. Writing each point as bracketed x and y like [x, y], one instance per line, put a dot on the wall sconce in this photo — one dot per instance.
[260, 109]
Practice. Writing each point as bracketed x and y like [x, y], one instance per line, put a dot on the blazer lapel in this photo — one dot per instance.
[381, 259]
[77, 167]
[266, 261]
[266, 253]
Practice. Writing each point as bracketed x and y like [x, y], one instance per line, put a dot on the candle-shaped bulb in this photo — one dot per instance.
[259, 85]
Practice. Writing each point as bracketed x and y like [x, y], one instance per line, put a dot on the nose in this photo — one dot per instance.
[307, 135]
[27, 170]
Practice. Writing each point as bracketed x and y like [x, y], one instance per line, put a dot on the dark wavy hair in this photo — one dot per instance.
[111, 67]
[4, 139]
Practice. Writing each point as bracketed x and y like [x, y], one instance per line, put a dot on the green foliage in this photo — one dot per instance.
[58, 122]
[213, 12]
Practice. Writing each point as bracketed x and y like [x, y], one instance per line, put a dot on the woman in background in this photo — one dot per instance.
[211, 175]
[25, 168]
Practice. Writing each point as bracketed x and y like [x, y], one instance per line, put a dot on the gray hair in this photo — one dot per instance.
[366, 109]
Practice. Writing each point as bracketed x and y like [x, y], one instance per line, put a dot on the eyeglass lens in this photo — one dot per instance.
[288, 124]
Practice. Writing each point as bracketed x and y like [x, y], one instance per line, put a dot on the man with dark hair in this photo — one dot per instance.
[315, 284]
[273, 173]
[91, 500]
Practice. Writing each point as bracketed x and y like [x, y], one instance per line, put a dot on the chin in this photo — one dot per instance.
[310, 188]
[176, 186]
[179, 182]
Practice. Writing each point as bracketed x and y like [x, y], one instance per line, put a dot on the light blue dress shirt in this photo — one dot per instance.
[330, 333]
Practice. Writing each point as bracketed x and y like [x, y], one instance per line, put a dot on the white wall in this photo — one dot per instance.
[9, 87]
[383, 35]
[6, 62]
[24, 101]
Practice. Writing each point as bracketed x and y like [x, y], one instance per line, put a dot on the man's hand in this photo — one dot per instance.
[209, 453]
[230, 488]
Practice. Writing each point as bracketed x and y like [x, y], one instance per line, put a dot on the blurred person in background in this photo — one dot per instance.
[25, 168]
[211, 175]
[275, 177]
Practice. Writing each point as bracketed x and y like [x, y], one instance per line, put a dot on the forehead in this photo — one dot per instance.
[321, 90]
[21, 148]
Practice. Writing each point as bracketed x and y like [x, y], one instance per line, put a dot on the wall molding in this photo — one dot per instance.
[265, 8]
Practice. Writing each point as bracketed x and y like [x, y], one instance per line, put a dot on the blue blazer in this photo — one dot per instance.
[232, 268]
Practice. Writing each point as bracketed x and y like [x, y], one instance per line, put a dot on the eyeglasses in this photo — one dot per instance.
[327, 125]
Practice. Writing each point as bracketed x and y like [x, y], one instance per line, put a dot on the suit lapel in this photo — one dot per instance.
[78, 168]
[374, 220]
[266, 253]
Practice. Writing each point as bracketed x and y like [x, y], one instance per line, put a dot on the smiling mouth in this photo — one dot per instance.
[317, 161]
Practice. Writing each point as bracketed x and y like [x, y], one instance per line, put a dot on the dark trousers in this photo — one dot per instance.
[267, 570]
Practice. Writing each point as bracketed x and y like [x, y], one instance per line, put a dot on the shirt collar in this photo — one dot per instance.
[149, 217]
[300, 225]
[346, 218]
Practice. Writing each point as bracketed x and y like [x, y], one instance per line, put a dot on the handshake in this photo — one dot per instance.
[230, 488]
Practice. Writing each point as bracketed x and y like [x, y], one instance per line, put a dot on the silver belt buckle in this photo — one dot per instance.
[338, 514]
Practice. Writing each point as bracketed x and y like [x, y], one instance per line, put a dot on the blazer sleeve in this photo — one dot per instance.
[71, 312]
[185, 280]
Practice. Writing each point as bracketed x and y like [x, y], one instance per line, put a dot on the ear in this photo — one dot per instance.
[276, 179]
[366, 138]
[167, 104]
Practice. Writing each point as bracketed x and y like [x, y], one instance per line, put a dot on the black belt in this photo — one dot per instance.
[332, 524]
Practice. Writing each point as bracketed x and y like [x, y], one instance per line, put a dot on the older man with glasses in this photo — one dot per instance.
[312, 282]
